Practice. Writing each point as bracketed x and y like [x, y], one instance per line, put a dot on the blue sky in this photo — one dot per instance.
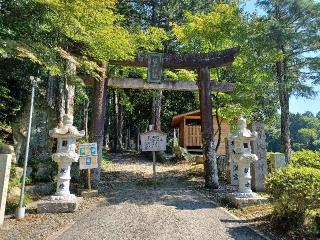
[300, 105]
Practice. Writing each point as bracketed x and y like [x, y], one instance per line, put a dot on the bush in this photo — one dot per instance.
[295, 194]
[5, 149]
[306, 158]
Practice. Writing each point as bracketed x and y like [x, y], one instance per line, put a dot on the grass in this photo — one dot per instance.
[13, 203]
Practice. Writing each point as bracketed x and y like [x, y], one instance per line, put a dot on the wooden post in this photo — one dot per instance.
[86, 118]
[209, 153]
[89, 179]
[154, 168]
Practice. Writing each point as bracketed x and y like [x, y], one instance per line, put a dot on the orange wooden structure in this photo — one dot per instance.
[189, 125]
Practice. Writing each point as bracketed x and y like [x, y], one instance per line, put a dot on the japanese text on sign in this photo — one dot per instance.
[155, 62]
[153, 141]
[88, 156]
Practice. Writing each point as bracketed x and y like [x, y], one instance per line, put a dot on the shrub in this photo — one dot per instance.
[5, 149]
[295, 194]
[306, 158]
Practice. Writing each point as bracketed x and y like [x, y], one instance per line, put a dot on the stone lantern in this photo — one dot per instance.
[243, 156]
[66, 136]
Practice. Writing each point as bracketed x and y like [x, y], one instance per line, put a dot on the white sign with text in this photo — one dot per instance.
[153, 141]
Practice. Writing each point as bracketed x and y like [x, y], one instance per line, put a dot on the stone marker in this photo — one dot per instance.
[5, 164]
[234, 167]
[260, 167]
[277, 160]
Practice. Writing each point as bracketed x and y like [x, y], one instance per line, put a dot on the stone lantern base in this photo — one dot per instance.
[58, 206]
[62, 198]
[240, 200]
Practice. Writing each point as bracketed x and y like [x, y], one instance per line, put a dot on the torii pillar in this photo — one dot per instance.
[209, 153]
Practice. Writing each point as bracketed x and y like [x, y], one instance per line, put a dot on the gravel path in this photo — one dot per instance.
[135, 210]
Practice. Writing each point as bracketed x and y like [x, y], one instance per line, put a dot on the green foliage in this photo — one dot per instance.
[14, 180]
[294, 193]
[28, 180]
[306, 158]
[225, 26]
[151, 40]
[43, 170]
[5, 149]
[12, 204]
[304, 131]
[182, 74]
[92, 24]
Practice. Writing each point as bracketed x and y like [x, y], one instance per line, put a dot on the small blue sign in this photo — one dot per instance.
[93, 151]
[88, 160]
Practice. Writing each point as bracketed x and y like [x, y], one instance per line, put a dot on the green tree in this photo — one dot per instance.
[304, 132]
[50, 33]
[223, 27]
[292, 31]
[307, 136]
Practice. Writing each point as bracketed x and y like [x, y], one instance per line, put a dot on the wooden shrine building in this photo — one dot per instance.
[189, 132]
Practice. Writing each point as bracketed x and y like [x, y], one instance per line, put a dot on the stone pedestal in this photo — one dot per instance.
[245, 176]
[64, 161]
[89, 193]
[240, 201]
[58, 206]
[5, 165]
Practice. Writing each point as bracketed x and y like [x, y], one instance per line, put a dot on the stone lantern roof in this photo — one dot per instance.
[242, 132]
[67, 130]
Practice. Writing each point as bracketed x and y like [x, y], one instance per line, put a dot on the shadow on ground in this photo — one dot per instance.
[173, 187]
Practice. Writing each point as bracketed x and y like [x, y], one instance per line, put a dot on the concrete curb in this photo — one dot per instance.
[234, 216]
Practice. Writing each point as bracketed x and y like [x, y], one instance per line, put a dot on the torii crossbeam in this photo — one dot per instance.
[185, 61]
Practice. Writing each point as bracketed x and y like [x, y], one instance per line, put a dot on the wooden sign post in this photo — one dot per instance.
[153, 141]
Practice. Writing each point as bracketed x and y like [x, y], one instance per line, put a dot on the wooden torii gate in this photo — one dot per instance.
[202, 63]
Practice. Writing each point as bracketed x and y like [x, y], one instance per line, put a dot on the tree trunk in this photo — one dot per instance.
[119, 122]
[98, 121]
[209, 153]
[86, 117]
[67, 92]
[156, 110]
[138, 139]
[284, 105]
[219, 128]
[120, 128]
[107, 124]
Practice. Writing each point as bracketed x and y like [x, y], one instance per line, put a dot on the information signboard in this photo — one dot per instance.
[88, 156]
[153, 141]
